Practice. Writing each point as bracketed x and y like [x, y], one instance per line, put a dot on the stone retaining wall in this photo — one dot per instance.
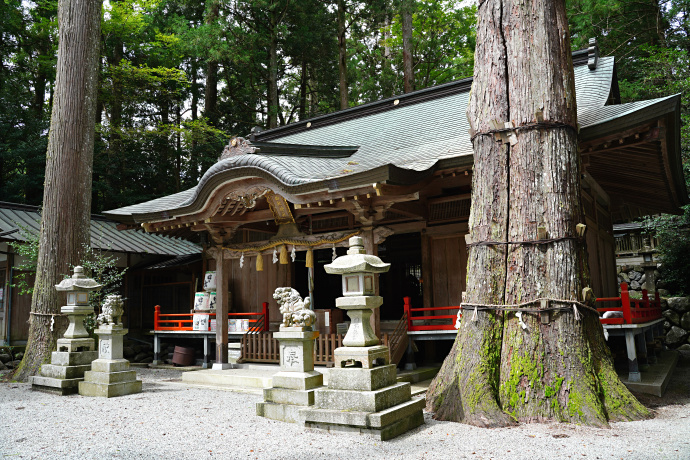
[676, 312]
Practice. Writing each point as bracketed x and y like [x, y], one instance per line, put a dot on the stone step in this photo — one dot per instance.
[110, 365]
[230, 378]
[385, 424]
[365, 401]
[109, 390]
[284, 412]
[110, 377]
[77, 358]
[55, 386]
[361, 379]
[419, 374]
[395, 413]
[289, 396]
[64, 372]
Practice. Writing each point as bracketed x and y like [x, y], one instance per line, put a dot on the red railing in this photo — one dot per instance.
[634, 311]
[184, 321]
[428, 327]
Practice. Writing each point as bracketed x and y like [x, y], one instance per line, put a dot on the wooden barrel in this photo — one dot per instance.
[183, 356]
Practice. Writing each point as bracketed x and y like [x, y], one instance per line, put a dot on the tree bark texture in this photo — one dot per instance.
[66, 211]
[211, 91]
[408, 75]
[499, 372]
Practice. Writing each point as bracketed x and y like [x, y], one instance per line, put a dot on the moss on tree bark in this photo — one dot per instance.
[499, 372]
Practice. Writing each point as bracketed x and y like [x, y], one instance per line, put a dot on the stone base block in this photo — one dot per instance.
[76, 345]
[64, 372]
[384, 425]
[283, 412]
[364, 401]
[234, 352]
[366, 357]
[110, 365]
[298, 380]
[110, 377]
[223, 366]
[56, 386]
[109, 390]
[286, 396]
[77, 358]
[362, 379]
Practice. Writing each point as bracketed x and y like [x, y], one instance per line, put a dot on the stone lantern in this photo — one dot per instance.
[359, 271]
[363, 394]
[75, 350]
[649, 266]
[77, 287]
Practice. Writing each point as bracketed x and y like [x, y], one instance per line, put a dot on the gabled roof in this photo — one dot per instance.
[400, 140]
[18, 221]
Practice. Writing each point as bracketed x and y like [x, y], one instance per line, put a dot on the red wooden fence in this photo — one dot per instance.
[634, 311]
[428, 318]
[183, 321]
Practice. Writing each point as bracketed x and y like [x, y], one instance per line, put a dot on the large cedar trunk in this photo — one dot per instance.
[67, 193]
[342, 55]
[211, 91]
[408, 75]
[497, 372]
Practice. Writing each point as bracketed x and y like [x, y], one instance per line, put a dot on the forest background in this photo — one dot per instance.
[178, 78]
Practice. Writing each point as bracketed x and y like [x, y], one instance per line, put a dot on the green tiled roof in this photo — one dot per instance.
[398, 142]
[19, 222]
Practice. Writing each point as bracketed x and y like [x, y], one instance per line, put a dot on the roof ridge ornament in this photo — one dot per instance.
[592, 54]
[238, 146]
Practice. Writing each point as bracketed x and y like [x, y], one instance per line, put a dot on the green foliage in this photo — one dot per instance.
[103, 268]
[622, 28]
[665, 71]
[25, 271]
[159, 126]
[673, 234]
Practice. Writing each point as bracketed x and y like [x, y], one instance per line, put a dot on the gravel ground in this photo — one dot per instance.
[171, 421]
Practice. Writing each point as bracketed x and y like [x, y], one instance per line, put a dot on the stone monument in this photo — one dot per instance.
[75, 350]
[110, 375]
[362, 394]
[293, 387]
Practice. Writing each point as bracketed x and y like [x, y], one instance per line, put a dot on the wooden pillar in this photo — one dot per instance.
[372, 248]
[427, 275]
[222, 302]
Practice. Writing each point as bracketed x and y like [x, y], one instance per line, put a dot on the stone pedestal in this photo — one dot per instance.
[364, 396]
[293, 387]
[359, 309]
[65, 371]
[75, 350]
[110, 375]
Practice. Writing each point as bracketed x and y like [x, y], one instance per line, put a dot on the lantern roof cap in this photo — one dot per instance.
[78, 282]
[356, 261]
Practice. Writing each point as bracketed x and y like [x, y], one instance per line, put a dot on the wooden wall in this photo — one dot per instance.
[448, 268]
[250, 288]
[601, 245]
[19, 314]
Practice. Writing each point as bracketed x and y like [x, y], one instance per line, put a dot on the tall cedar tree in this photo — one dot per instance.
[497, 372]
[67, 192]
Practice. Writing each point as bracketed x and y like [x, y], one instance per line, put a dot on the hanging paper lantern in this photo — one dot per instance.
[283, 255]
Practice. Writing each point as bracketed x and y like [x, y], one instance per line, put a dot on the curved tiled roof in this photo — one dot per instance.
[18, 222]
[421, 132]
